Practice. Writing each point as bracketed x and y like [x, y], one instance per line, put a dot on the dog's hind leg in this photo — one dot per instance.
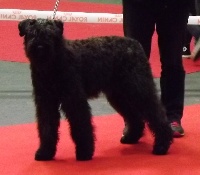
[132, 117]
[138, 102]
[158, 124]
[77, 111]
[48, 120]
[154, 114]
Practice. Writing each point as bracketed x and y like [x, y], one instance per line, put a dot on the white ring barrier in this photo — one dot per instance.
[74, 17]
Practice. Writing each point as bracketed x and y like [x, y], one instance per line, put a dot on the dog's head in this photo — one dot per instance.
[41, 36]
[36, 26]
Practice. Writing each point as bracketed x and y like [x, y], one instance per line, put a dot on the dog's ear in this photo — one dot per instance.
[23, 25]
[59, 24]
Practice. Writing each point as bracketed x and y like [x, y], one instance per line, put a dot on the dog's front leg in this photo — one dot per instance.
[78, 113]
[48, 120]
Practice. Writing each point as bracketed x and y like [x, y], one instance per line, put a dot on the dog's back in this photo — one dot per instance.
[103, 59]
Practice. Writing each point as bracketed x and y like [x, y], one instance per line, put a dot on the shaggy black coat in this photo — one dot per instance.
[65, 74]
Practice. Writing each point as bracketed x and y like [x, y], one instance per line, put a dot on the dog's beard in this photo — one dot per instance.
[40, 53]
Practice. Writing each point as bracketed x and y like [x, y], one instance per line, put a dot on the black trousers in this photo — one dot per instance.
[192, 30]
[140, 20]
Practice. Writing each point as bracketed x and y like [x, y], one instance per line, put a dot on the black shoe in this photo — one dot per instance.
[186, 52]
[196, 51]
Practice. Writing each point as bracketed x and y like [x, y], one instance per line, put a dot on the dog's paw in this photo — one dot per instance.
[82, 155]
[44, 155]
[132, 135]
[160, 150]
[125, 139]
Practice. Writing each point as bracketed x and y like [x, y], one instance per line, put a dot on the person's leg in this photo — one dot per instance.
[186, 53]
[138, 23]
[194, 30]
[188, 35]
[197, 7]
[171, 28]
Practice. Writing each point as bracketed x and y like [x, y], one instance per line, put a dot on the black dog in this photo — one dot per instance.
[66, 73]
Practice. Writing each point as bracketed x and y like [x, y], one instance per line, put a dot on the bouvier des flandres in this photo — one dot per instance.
[65, 74]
